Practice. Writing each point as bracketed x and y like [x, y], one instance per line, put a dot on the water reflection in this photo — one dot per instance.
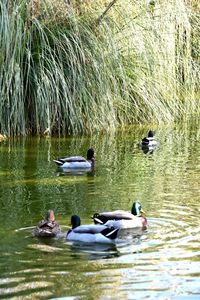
[93, 251]
[162, 263]
[148, 149]
[127, 242]
[76, 172]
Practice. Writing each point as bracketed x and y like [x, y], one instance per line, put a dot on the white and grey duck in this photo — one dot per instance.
[91, 233]
[77, 162]
[123, 219]
[149, 140]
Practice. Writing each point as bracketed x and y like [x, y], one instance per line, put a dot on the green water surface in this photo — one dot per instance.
[163, 263]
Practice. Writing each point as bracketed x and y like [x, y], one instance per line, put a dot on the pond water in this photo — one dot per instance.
[162, 263]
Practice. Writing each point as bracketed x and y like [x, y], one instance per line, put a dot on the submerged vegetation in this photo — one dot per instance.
[70, 67]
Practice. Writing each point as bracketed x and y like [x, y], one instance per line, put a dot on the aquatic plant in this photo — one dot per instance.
[68, 68]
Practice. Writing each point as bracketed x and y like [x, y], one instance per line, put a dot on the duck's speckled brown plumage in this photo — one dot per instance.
[47, 227]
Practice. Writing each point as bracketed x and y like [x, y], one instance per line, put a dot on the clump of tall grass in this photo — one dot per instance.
[69, 68]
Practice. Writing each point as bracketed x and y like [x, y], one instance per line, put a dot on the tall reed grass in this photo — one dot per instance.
[63, 72]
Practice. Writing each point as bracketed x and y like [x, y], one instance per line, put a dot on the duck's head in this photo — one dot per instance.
[75, 221]
[150, 133]
[50, 215]
[90, 154]
[137, 209]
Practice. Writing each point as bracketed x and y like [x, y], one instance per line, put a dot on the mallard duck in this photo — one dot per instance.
[91, 233]
[77, 162]
[149, 140]
[47, 227]
[122, 219]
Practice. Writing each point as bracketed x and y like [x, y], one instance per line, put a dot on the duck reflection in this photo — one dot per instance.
[128, 241]
[130, 236]
[76, 172]
[93, 251]
[148, 149]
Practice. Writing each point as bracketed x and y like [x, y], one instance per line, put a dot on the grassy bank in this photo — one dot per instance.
[80, 68]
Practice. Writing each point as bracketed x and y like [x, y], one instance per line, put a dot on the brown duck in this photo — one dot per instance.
[47, 227]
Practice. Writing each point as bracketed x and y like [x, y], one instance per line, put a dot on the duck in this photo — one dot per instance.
[149, 140]
[121, 219]
[91, 233]
[77, 162]
[47, 227]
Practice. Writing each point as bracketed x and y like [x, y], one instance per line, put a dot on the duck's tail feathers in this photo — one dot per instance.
[110, 233]
[58, 162]
[98, 221]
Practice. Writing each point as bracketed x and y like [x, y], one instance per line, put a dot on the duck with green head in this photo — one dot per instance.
[123, 219]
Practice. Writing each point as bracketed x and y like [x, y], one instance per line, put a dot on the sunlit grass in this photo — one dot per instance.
[62, 72]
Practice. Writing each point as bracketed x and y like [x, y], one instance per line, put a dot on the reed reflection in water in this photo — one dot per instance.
[161, 263]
